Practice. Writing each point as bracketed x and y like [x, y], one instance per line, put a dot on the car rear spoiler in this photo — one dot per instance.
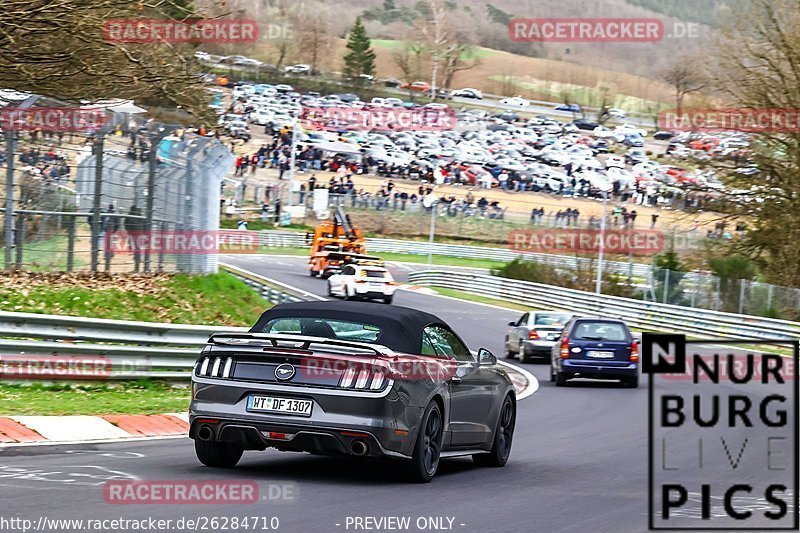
[298, 342]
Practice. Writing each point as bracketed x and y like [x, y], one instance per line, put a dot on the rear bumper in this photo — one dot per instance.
[259, 435]
[538, 348]
[374, 292]
[388, 419]
[598, 370]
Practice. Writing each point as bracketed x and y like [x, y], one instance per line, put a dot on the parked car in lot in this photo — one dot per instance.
[516, 101]
[354, 379]
[420, 86]
[392, 82]
[572, 108]
[595, 348]
[363, 282]
[585, 124]
[297, 69]
[534, 334]
[468, 92]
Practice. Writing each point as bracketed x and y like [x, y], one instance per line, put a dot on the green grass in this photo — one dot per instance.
[219, 299]
[391, 44]
[461, 295]
[133, 397]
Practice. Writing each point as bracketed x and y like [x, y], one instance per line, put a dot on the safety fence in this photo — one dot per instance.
[637, 313]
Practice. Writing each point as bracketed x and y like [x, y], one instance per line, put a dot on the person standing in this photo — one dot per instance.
[277, 211]
[653, 220]
[134, 225]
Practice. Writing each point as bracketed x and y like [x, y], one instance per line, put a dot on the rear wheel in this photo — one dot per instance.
[561, 379]
[312, 273]
[503, 437]
[509, 353]
[427, 450]
[387, 299]
[523, 358]
[218, 454]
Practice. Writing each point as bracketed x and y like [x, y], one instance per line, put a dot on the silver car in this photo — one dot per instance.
[534, 334]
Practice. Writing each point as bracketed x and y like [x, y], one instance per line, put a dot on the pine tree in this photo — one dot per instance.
[361, 58]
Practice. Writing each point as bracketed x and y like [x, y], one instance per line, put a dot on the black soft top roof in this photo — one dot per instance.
[401, 327]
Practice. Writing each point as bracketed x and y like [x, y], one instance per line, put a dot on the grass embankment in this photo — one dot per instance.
[218, 299]
[140, 397]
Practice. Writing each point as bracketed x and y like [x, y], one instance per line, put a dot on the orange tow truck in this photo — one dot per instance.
[334, 244]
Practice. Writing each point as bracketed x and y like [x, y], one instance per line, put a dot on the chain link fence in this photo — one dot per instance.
[705, 291]
[74, 202]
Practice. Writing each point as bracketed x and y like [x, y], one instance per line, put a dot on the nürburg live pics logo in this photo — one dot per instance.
[723, 434]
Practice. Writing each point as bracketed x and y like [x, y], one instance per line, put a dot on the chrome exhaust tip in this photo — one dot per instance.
[359, 447]
[205, 433]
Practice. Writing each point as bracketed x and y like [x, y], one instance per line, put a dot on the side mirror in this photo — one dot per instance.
[486, 358]
[512, 323]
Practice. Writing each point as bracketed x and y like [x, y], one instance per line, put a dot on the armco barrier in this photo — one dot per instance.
[284, 239]
[637, 313]
[129, 349]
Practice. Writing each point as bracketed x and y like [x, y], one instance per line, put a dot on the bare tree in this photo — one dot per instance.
[686, 77]
[758, 64]
[314, 37]
[57, 48]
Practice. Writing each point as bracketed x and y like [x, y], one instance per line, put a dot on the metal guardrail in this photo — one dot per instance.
[289, 239]
[118, 349]
[637, 313]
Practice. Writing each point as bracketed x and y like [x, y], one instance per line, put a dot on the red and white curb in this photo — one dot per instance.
[16, 430]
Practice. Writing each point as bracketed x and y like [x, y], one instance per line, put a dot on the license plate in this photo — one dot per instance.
[552, 337]
[376, 285]
[271, 404]
[600, 355]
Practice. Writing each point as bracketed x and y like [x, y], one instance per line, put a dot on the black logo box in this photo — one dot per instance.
[676, 364]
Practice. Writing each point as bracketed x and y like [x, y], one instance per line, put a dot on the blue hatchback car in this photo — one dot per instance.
[595, 348]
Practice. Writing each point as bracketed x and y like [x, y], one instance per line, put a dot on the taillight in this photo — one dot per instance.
[214, 367]
[533, 335]
[634, 351]
[363, 379]
[565, 348]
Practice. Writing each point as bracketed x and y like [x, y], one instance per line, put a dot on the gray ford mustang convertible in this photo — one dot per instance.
[351, 378]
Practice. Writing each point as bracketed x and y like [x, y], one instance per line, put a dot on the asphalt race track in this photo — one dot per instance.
[579, 459]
